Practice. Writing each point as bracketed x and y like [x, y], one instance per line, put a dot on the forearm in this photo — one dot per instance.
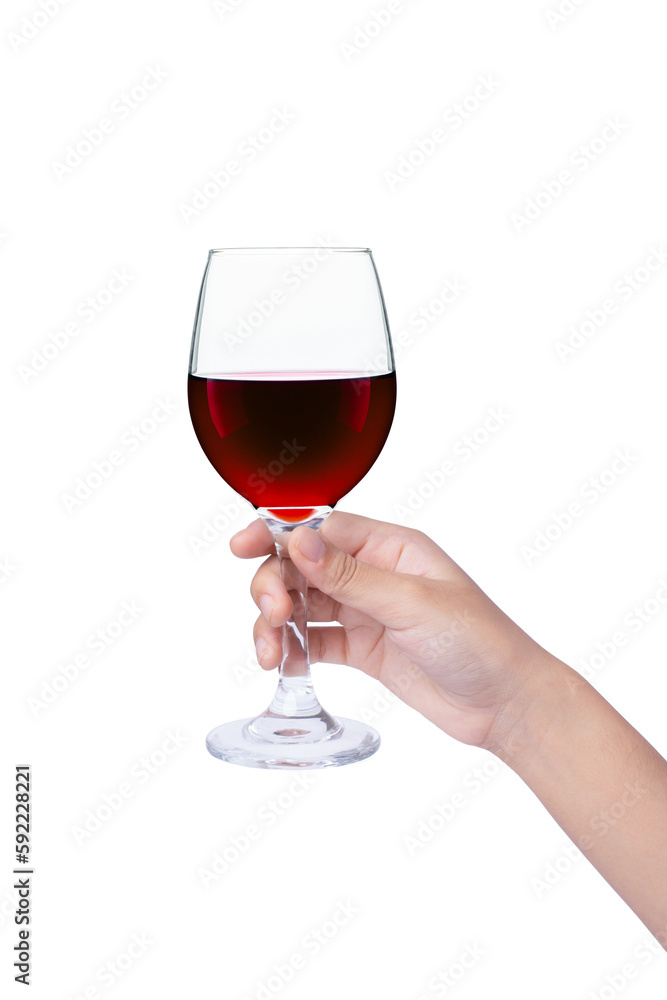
[603, 783]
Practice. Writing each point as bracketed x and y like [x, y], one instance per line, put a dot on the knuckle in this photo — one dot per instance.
[344, 572]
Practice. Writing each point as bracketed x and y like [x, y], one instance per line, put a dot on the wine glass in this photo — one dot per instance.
[292, 390]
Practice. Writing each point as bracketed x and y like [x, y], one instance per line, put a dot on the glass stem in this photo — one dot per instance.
[295, 707]
[295, 694]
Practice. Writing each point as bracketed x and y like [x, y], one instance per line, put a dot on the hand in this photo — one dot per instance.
[408, 616]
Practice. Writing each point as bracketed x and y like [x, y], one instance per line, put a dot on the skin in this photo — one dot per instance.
[409, 616]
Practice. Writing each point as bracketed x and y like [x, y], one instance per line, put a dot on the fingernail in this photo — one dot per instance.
[261, 648]
[267, 605]
[311, 545]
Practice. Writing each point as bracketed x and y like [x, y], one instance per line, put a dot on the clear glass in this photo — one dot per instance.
[292, 390]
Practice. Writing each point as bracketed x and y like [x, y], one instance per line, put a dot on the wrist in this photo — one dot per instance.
[543, 706]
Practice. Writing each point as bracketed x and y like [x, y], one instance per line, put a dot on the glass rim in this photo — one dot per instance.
[287, 250]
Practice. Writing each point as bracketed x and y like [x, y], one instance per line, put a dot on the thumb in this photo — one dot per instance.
[383, 595]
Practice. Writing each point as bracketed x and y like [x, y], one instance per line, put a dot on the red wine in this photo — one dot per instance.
[298, 441]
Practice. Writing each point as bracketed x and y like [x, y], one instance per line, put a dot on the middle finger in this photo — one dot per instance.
[274, 601]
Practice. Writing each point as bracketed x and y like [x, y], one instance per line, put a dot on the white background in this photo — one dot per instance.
[179, 666]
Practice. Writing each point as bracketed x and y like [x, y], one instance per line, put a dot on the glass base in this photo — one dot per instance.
[297, 743]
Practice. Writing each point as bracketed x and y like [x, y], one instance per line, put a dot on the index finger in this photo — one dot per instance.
[348, 531]
[253, 541]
